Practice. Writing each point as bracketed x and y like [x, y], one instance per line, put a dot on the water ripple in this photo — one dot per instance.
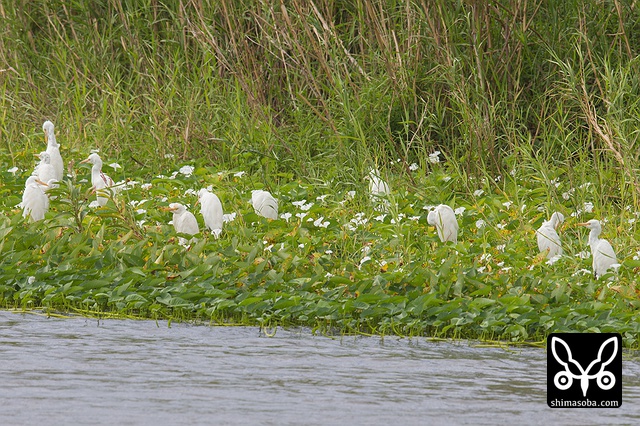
[136, 372]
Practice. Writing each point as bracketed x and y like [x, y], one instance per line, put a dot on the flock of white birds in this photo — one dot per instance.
[35, 203]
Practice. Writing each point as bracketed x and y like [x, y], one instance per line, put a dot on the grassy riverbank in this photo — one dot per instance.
[533, 107]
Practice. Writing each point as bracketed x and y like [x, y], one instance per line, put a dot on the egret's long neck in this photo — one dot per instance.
[51, 140]
[96, 170]
[593, 236]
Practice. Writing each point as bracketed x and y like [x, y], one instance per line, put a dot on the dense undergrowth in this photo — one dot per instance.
[533, 106]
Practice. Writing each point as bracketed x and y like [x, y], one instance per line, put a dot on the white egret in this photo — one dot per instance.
[547, 236]
[100, 181]
[211, 210]
[378, 189]
[53, 149]
[45, 170]
[35, 202]
[264, 204]
[601, 251]
[184, 221]
[444, 219]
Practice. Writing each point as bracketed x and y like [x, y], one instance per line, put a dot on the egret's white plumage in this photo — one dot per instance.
[35, 202]
[211, 210]
[45, 170]
[184, 221]
[264, 204]
[378, 190]
[53, 149]
[444, 219]
[547, 236]
[601, 251]
[100, 181]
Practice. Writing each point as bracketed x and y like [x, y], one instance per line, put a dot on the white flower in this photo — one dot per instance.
[478, 192]
[583, 254]
[328, 275]
[507, 204]
[229, 217]
[319, 222]
[555, 182]
[301, 245]
[115, 166]
[446, 178]
[31, 279]
[141, 211]
[146, 186]
[268, 248]
[286, 216]
[434, 157]
[187, 170]
[239, 174]
[13, 170]
[351, 194]
[380, 218]
[481, 269]
[413, 167]
[588, 207]
[322, 197]
[328, 252]
[414, 218]
[140, 223]
[582, 272]
[480, 223]
[500, 226]
[553, 259]
[459, 211]
[301, 215]
[501, 247]
[190, 191]
[365, 259]
[169, 156]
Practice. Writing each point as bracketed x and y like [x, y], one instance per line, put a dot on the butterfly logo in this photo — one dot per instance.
[564, 379]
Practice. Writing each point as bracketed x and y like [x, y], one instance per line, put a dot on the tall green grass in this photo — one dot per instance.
[306, 85]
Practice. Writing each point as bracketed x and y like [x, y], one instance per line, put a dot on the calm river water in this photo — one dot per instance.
[117, 372]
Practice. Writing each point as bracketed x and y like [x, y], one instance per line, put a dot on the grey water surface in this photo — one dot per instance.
[120, 372]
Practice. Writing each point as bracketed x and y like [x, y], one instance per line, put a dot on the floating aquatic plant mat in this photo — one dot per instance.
[335, 260]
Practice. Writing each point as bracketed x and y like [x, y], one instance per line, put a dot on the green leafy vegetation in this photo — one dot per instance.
[532, 105]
